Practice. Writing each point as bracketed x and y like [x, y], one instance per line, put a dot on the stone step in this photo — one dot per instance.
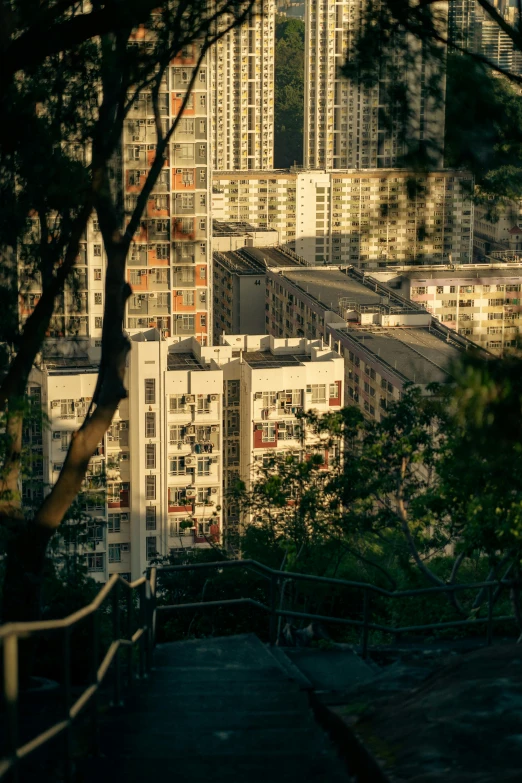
[216, 687]
[206, 769]
[166, 700]
[200, 674]
[187, 741]
[206, 720]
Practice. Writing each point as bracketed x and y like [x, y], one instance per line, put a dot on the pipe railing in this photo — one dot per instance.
[365, 625]
[140, 633]
[143, 633]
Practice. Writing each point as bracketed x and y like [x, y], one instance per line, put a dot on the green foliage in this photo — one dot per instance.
[484, 128]
[289, 93]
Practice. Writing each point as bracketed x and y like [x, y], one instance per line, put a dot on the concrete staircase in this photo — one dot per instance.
[216, 710]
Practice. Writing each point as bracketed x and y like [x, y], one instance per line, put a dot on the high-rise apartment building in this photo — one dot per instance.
[344, 121]
[363, 218]
[155, 481]
[242, 94]
[386, 340]
[268, 383]
[480, 301]
[168, 265]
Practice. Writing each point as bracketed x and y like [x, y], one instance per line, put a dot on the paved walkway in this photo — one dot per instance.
[216, 710]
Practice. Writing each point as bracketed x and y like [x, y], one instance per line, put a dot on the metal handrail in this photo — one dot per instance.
[143, 636]
[365, 625]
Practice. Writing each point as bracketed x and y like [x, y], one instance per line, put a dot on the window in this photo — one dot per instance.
[177, 466]
[96, 562]
[150, 518]
[269, 399]
[98, 322]
[177, 497]
[269, 432]
[95, 532]
[114, 523]
[97, 250]
[204, 466]
[150, 456]
[203, 405]
[150, 487]
[334, 393]
[98, 299]
[151, 548]
[114, 553]
[67, 409]
[318, 392]
[188, 297]
[150, 425]
[97, 274]
[177, 403]
[150, 391]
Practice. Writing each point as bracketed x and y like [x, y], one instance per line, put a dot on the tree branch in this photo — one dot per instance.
[35, 327]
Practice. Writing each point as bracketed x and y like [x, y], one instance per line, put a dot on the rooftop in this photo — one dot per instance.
[222, 228]
[183, 361]
[333, 287]
[463, 272]
[254, 260]
[267, 359]
[421, 355]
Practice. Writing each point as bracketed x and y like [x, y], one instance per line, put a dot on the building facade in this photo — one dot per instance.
[480, 301]
[242, 94]
[155, 482]
[363, 218]
[386, 340]
[344, 124]
[267, 383]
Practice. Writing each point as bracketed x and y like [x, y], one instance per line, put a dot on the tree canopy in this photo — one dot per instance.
[289, 92]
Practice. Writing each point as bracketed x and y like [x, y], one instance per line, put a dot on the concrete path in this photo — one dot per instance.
[216, 710]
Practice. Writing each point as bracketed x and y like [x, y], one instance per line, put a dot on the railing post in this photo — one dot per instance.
[273, 617]
[143, 626]
[150, 617]
[67, 698]
[11, 699]
[366, 620]
[116, 636]
[130, 650]
[94, 680]
[490, 615]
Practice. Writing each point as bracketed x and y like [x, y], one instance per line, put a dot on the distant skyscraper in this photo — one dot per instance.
[243, 95]
[345, 125]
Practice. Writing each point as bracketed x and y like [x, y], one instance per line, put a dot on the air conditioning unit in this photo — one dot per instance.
[151, 296]
[180, 444]
[190, 461]
[213, 491]
[179, 293]
[214, 429]
[214, 459]
[191, 493]
[125, 547]
[57, 435]
[236, 432]
[54, 403]
[179, 318]
[258, 396]
[124, 517]
[191, 398]
[213, 398]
